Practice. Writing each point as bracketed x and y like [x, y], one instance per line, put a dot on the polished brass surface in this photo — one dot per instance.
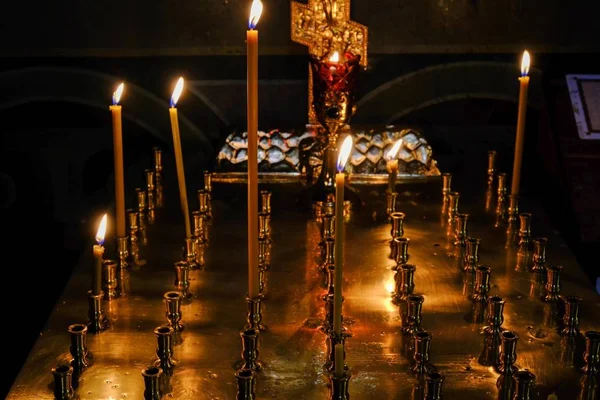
[293, 349]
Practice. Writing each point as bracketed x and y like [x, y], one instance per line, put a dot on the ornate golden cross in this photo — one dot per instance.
[325, 26]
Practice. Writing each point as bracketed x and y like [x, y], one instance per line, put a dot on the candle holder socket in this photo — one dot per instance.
[109, 270]
[495, 314]
[78, 350]
[199, 227]
[329, 206]
[152, 379]
[250, 349]
[433, 386]
[524, 230]
[571, 316]
[414, 315]
[265, 196]
[134, 224]
[173, 310]
[182, 282]
[501, 191]
[204, 204]
[421, 364]
[340, 386]
[460, 233]
[123, 251]
[539, 254]
[482, 283]
[207, 181]
[331, 341]
[453, 198]
[405, 281]
[523, 382]
[254, 316]
[63, 382]
[98, 321]
[446, 185]
[164, 350]
[391, 197]
[157, 159]
[513, 208]
[141, 203]
[150, 181]
[552, 289]
[491, 170]
[246, 383]
[264, 226]
[262, 280]
[591, 356]
[190, 253]
[508, 353]
[397, 224]
[471, 254]
[151, 208]
[401, 251]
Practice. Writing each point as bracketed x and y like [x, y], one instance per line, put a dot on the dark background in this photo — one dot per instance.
[449, 69]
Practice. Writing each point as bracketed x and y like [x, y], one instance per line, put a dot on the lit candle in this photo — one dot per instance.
[339, 360]
[179, 157]
[252, 111]
[392, 165]
[115, 110]
[98, 257]
[339, 233]
[524, 84]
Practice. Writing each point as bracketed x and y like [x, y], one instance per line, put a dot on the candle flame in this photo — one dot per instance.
[335, 57]
[525, 61]
[255, 12]
[117, 94]
[101, 231]
[394, 150]
[177, 92]
[344, 153]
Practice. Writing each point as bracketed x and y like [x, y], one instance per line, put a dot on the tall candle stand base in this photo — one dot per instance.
[97, 319]
[340, 386]
[246, 383]
[123, 252]
[250, 349]
[190, 253]
[63, 382]
[254, 317]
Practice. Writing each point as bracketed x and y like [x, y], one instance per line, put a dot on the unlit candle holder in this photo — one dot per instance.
[482, 283]
[524, 230]
[133, 219]
[199, 228]
[397, 229]
[571, 317]
[340, 386]
[150, 181]
[182, 282]
[152, 377]
[264, 226]
[78, 350]
[264, 254]
[539, 255]
[329, 206]
[552, 289]
[495, 315]
[265, 196]
[151, 207]
[204, 204]
[507, 368]
[421, 364]
[250, 349]
[523, 384]
[414, 315]
[97, 319]
[446, 185]
[164, 350]
[453, 198]
[591, 356]
[391, 198]
[63, 382]
[501, 190]
[158, 167]
[405, 282]
[471, 254]
[123, 252]
[433, 386]
[246, 383]
[173, 310]
[327, 231]
[400, 246]
[513, 208]
[190, 253]
[109, 271]
[460, 233]
[491, 171]
[254, 316]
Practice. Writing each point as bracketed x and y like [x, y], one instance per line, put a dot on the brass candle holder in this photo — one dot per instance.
[552, 289]
[327, 325]
[421, 364]
[433, 386]
[329, 282]
[63, 382]
[539, 255]
[513, 208]
[340, 386]
[157, 152]
[141, 203]
[453, 198]
[405, 282]
[507, 368]
[400, 246]
[152, 376]
[446, 185]
[524, 230]
[78, 350]
[491, 171]
[262, 280]
[329, 205]
[204, 204]
[327, 231]
[265, 196]
[250, 349]
[329, 255]
[246, 383]
[414, 315]
[571, 317]
[502, 190]
[264, 226]
[208, 187]
[391, 197]
[150, 180]
[495, 315]
[109, 270]
[199, 228]
[591, 356]
[264, 254]
[523, 383]
[461, 229]
[164, 350]
[151, 207]
[482, 283]
[471, 254]
[331, 341]
[123, 252]
[190, 253]
[133, 219]
[173, 310]
[397, 229]
[97, 319]
[182, 283]
[254, 316]
[318, 210]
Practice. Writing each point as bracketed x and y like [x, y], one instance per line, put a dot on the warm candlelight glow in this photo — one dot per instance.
[101, 231]
[117, 94]
[177, 92]
[255, 12]
[335, 57]
[344, 153]
[525, 61]
[394, 150]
